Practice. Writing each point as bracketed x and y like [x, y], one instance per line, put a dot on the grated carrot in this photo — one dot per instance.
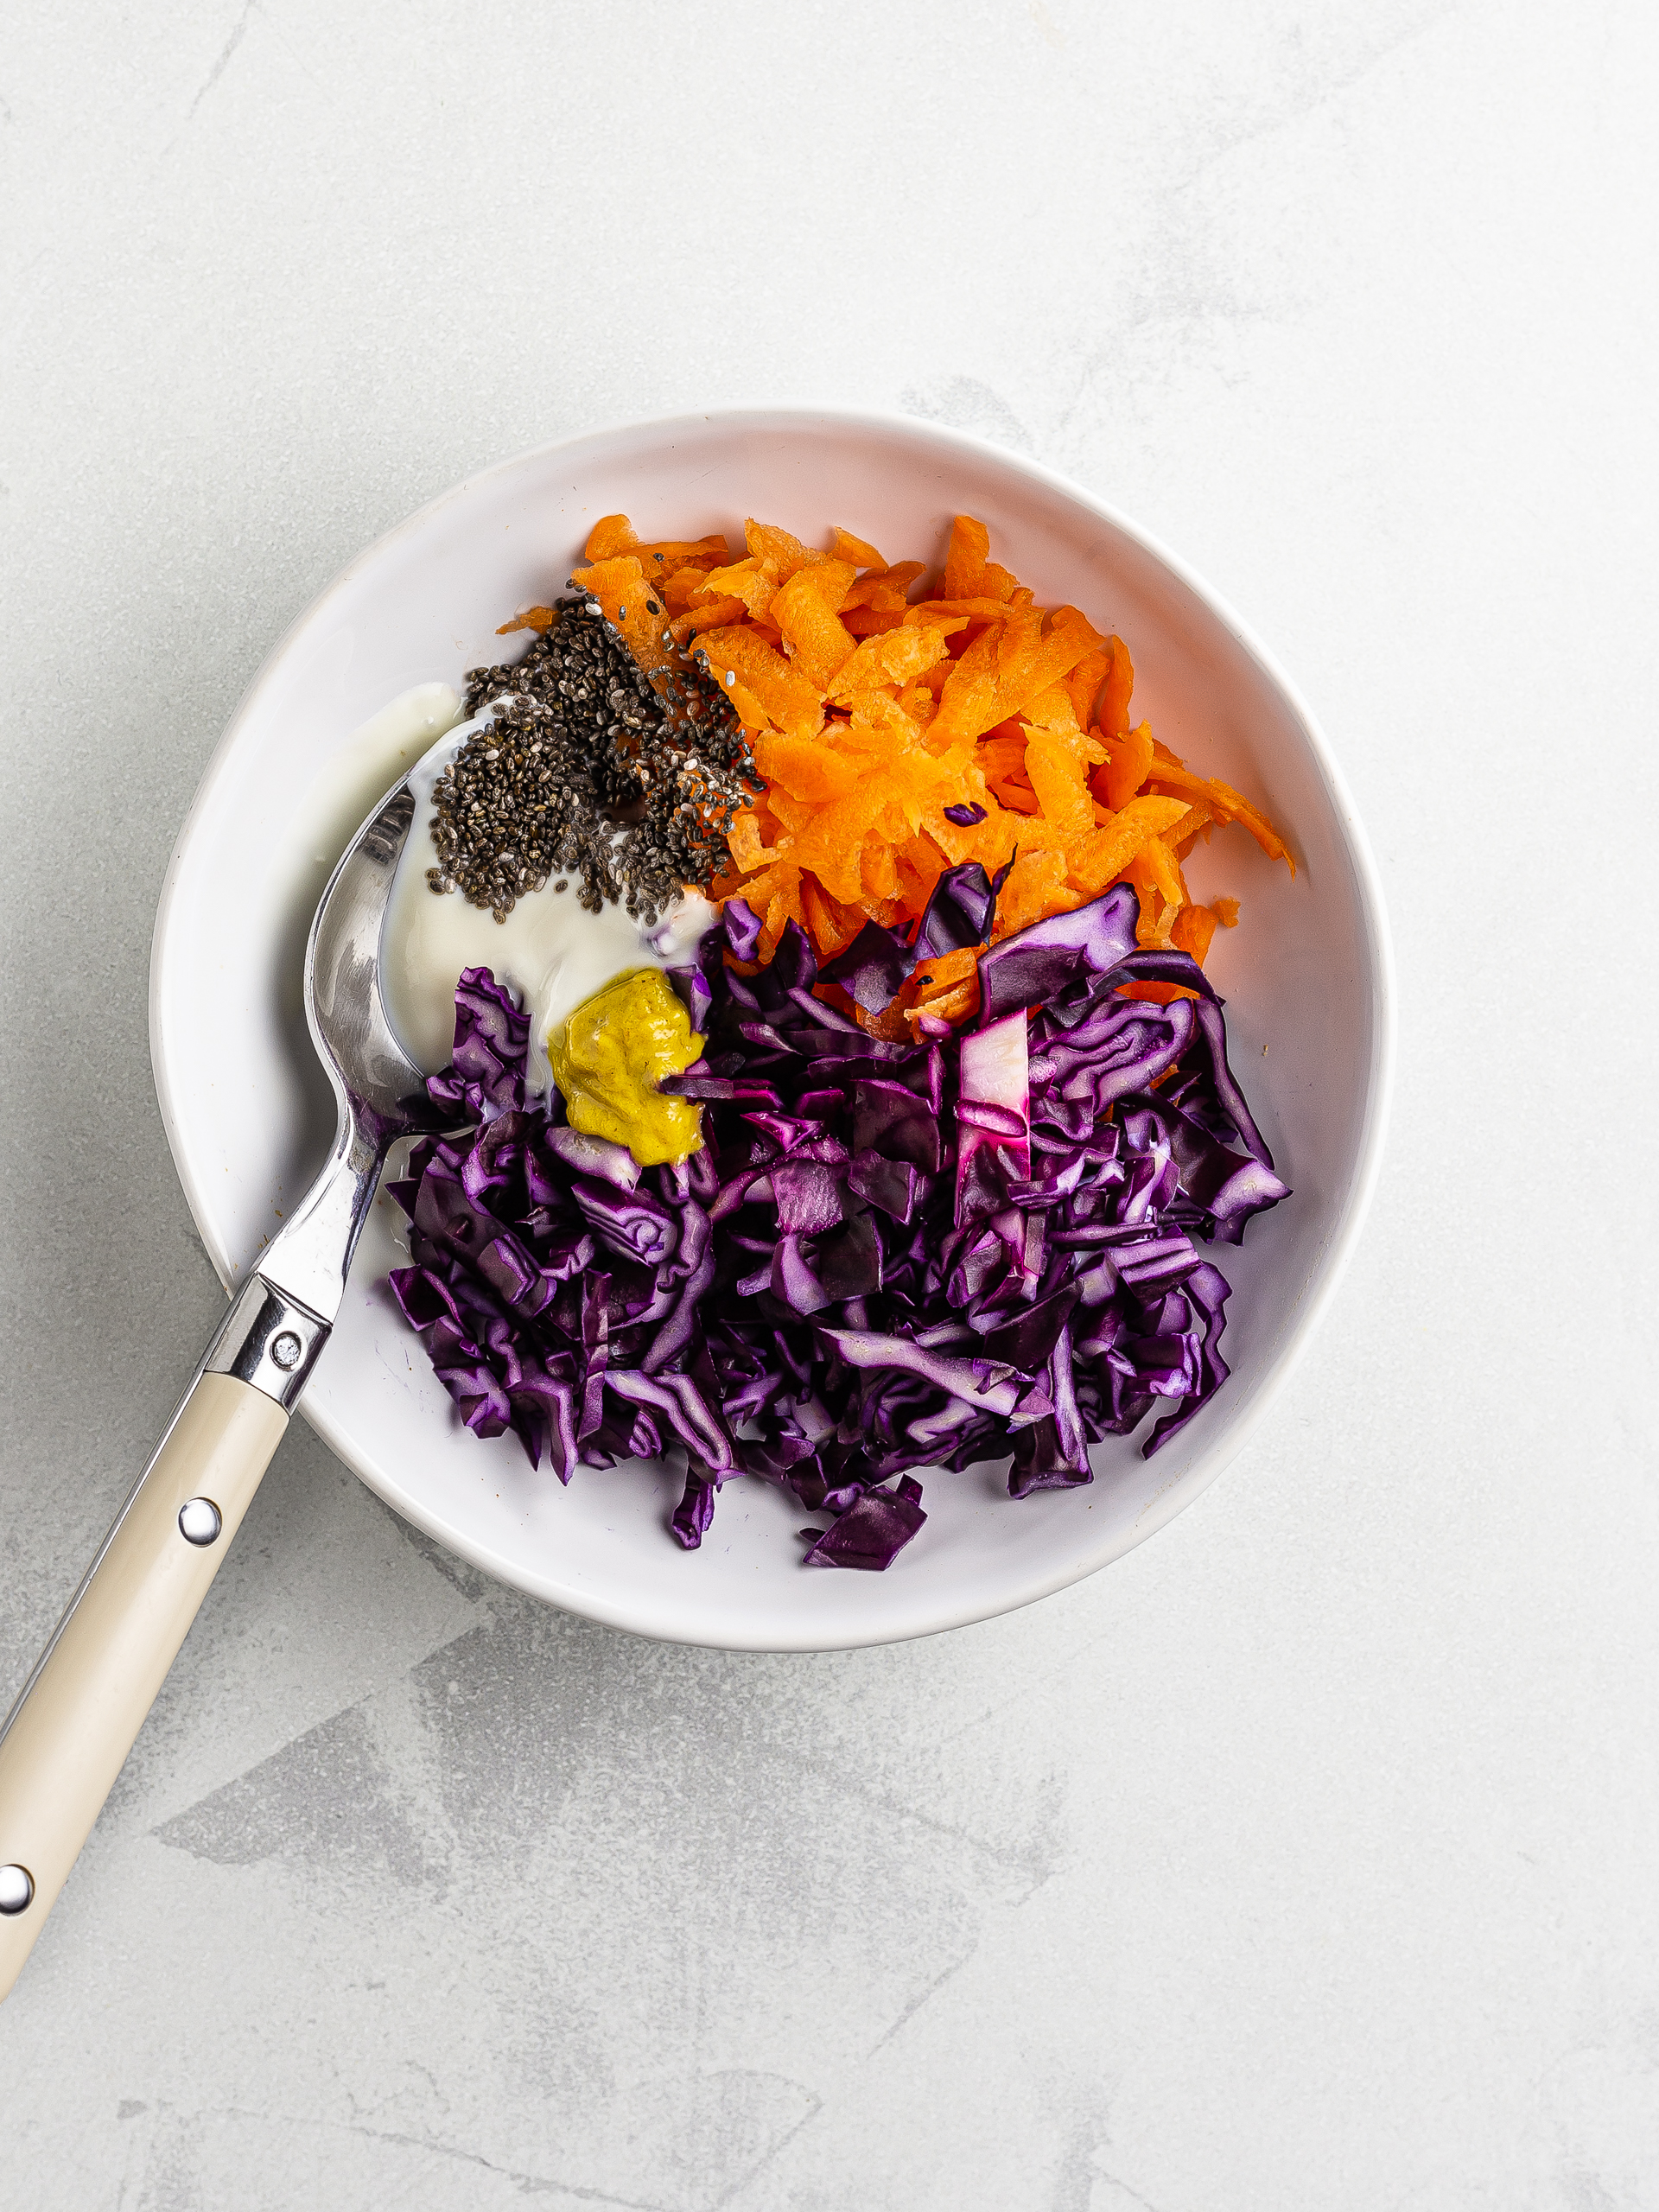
[873, 711]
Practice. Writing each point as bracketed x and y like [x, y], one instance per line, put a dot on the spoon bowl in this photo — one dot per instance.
[345, 1010]
[379, 1093]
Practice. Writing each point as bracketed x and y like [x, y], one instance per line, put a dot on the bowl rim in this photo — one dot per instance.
[943, 440]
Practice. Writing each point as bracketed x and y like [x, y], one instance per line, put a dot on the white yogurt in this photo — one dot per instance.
[550, 952]
[353, 778]
[372, 759]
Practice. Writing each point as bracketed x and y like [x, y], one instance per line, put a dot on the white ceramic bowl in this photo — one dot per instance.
[1306, 978]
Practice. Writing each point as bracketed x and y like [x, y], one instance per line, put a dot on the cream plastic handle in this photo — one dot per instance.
[80, 1712]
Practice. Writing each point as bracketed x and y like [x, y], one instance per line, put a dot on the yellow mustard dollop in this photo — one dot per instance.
[609, 1056]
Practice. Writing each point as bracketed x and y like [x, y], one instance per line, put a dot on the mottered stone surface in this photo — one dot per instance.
[1305, 1858]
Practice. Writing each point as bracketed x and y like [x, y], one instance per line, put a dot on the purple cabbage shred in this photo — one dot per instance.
[886, 1256]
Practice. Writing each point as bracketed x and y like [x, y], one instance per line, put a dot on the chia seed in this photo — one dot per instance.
[588, 770]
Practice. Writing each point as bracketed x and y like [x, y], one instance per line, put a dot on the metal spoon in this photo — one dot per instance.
[76, 1719]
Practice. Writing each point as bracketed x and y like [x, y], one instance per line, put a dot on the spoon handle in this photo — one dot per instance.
[79, 1713]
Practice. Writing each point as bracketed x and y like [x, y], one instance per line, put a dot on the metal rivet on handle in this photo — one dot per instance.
[199, 1521]
[285, 1350]
[16, 1889]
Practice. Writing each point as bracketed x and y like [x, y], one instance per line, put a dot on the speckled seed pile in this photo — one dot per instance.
[587, 771]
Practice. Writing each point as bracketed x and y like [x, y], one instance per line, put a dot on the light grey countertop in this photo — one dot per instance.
[1303, 1861]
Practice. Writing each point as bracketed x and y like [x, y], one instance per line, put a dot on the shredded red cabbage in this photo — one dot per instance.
[886, 1256]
